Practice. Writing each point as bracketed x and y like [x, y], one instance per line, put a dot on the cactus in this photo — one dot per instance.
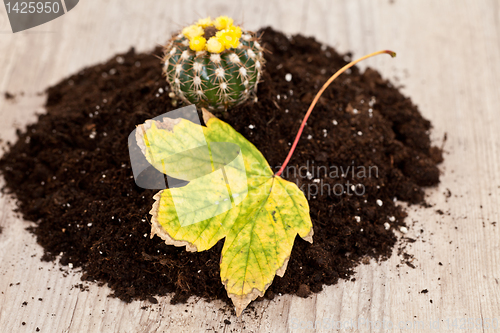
[213, 64]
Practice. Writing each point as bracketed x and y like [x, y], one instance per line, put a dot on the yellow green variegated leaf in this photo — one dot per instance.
[175, 147]
[239, 199]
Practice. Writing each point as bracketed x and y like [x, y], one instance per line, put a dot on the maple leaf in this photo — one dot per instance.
[233, 194]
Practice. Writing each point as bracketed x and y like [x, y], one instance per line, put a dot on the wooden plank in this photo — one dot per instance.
[449, 62]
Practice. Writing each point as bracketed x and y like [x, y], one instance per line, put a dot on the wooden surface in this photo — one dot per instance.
[449, 62]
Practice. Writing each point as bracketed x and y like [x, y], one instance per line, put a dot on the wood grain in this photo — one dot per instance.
[448, 62]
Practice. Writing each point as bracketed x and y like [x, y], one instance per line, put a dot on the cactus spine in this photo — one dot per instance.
[219, 73]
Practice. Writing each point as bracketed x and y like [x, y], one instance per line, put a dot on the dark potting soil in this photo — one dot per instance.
[364, 145]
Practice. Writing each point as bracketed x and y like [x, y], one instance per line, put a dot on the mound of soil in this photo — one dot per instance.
[71, 174]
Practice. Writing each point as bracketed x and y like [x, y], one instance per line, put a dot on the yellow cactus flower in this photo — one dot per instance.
[206, 22]
[236, 30]
[197, 43]
[214, 45]
[193, 31]
[228, 38]
[223, 22]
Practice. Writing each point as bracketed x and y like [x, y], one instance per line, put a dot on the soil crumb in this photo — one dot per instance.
[365, 146]
[9, 96]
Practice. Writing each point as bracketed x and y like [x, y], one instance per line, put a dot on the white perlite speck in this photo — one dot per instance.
[357, 218]
[335, 122]
[392, 218]
[387, 226]
[309, 137]
[309, 175]
[251, 126]
[404, 230]
[379, 202]
[288, 77]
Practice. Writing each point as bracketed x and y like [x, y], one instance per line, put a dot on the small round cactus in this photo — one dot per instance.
[214, 64]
